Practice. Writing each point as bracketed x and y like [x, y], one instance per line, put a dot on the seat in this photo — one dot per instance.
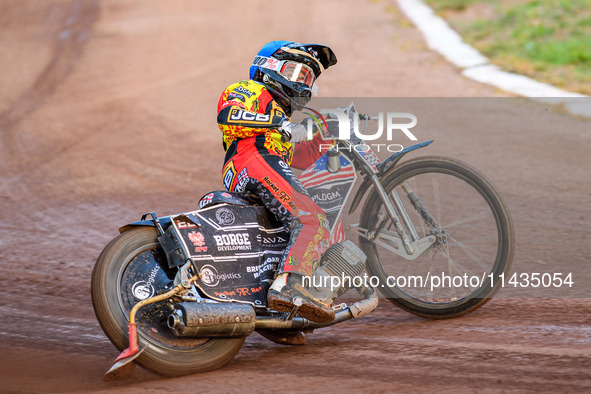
[225, 197]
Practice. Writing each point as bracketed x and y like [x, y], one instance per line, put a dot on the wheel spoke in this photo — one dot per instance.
[473, 254]
[458, 268]
[469, 219]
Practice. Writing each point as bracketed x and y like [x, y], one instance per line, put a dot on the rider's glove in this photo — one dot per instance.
[294, 132]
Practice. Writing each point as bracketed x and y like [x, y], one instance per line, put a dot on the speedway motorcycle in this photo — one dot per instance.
[179, 294]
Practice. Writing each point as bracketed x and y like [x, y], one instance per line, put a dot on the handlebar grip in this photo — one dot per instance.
[366, 116]
[285, 138]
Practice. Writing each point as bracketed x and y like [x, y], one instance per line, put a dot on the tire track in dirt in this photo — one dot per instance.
[71, 36]
[84, 335]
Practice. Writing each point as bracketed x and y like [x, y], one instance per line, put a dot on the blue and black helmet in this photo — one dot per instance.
[290, 67]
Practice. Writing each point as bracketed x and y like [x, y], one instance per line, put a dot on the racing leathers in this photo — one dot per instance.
[258, 161]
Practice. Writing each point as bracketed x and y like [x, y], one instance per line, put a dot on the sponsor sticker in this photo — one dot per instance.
[210, 276]
[142, 290]
[243, 90]
[206, 200]
[237, 115]
[242, 180]
[225, 216]
[232, 242]
[198, 241]
[267, 62]
[229, 176]
[145, 289]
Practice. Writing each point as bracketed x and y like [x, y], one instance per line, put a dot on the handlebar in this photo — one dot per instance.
[286, 137]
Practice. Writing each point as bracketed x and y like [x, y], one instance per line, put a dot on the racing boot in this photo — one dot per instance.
[288, 286]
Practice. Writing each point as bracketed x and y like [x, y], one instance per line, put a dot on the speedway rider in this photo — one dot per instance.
[253, 115]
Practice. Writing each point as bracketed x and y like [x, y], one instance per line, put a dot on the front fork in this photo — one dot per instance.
[394, 216]
[413, 246]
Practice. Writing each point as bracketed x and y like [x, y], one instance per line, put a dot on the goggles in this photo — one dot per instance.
[290, 70]
[297, 72]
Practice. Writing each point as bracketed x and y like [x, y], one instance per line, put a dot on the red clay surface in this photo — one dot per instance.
[107, 110]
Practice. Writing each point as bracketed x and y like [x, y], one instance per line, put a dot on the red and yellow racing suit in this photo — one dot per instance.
[258, 161]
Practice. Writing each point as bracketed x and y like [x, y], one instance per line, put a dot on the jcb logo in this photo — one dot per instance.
[238, 114]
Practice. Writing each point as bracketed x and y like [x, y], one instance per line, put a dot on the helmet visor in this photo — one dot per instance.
[297, 72]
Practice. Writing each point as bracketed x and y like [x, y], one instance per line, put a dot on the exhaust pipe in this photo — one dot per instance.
[204, 319]
[358, 309]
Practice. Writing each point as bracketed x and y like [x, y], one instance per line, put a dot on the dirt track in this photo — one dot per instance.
[107, 110]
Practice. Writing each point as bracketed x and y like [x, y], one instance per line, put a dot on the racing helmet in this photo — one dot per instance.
[290, 69]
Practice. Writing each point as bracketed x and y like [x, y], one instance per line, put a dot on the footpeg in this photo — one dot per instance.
[297, 303]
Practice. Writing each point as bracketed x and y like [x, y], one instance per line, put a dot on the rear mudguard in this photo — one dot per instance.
[383, 168]
[160, 223]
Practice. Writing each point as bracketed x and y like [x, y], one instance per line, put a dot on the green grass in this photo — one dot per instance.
[454, 5]
[549, 40]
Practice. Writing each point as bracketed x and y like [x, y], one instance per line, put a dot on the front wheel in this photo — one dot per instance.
[131, 268]
[468, 228]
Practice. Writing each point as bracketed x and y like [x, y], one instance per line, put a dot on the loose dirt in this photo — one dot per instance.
[107, 111]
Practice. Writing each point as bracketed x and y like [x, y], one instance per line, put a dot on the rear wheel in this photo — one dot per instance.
[132, 268]
[473, 237]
